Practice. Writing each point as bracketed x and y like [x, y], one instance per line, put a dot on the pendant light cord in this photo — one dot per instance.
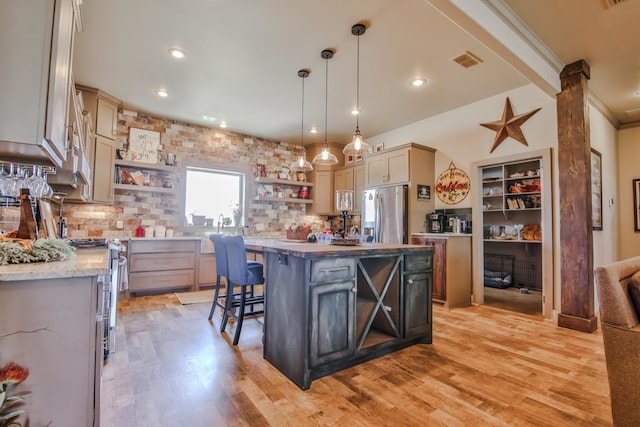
[358, 84]
[326, 96]
[302, 119]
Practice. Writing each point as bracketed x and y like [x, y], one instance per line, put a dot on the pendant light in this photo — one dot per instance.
[326, 157]
[357, 146]
[302, 165]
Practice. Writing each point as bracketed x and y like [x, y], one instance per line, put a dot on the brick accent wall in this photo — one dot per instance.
[199, 145]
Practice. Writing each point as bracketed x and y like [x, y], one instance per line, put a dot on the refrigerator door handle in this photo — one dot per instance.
[378, 236]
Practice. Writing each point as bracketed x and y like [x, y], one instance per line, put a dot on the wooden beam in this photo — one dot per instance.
[574, 181]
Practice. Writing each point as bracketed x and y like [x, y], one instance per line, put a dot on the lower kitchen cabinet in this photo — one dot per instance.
[418, 285]
[162, 265]
[332, 313]
[49, 327]
[451, 267]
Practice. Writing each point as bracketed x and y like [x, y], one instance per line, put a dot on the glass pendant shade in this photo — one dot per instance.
[357, 146]
[302, 165]
[326, 157]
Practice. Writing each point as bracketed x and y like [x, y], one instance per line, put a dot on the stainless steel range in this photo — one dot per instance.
[110, 288]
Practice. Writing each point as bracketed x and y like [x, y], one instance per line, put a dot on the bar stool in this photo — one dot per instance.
[245, 274]
[222, 270]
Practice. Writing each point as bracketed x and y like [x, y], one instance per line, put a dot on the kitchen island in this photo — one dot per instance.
[52, 326]
[329, 307]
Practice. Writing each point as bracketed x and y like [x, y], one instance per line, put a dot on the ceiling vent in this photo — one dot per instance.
[610, 3]
[467, 59]
[633, 114]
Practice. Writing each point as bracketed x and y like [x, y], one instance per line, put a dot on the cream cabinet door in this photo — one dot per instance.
[107, 120]
[323, 193]
[103, 170]
[358, 188]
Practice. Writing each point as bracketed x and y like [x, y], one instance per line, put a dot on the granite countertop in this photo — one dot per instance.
[442, 235]
[306, 250]
[87, 262]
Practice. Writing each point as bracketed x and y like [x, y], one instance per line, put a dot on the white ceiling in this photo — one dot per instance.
[243, 57]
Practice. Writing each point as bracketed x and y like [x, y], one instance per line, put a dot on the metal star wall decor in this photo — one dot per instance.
[509, 126]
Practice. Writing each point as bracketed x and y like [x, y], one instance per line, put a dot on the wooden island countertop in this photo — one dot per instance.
[306, 250]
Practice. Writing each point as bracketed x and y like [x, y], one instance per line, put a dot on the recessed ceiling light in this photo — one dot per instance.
[223, 124]
[176, 53]
[209, 118]
[355, 112]
[419, 81]
[162, 93]
[313, 130]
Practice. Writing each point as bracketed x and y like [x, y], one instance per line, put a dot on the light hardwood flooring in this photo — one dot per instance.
[486, 367]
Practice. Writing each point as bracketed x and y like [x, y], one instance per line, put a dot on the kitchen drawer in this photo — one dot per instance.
[155, 280]
[155, 246]
[332, 269]
[418, 262]
[162, 262]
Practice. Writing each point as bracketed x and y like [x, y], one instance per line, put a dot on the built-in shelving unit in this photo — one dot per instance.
[158, 178]
[266, 190]
[514, 191]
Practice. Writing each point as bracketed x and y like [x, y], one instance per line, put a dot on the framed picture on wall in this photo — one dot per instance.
[636, 204]
[596, 189]
[144, 145]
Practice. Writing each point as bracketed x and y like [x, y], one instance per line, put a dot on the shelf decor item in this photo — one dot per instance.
[144, 145]
[509, 126]
[636, 204]
[596, 189]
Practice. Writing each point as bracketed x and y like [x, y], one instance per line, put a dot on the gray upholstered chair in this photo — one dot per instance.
[246, 275]
[621, 336]
[222, 270]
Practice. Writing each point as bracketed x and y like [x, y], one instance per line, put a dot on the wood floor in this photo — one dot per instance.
[486, 367]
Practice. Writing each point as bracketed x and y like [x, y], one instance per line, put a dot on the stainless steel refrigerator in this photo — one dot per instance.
[385, 214]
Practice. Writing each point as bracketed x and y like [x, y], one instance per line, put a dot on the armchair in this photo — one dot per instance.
[621, 336]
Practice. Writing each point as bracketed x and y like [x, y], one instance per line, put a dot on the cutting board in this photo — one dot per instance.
[47, 220]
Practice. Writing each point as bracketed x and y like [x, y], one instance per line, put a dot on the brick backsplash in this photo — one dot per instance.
[198, 144]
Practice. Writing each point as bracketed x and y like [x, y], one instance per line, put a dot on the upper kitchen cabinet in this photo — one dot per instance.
[351, 178]
[36, 40]
[322, 178]
[411, 165]
[101, 152]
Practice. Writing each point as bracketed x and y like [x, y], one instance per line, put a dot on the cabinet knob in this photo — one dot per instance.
[388, 308]
[410, 281]
[354, 290]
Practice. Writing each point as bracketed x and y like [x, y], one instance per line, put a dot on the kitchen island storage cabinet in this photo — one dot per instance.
[162, 265]
[52, 325]
[329, 307]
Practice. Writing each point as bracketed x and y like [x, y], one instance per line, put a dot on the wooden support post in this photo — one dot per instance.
[576, 236]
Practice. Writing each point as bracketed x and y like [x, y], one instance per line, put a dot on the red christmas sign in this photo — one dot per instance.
[452, 186]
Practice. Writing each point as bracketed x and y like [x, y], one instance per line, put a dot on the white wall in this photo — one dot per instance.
[628, 170]
[604, 139]
[458, 137]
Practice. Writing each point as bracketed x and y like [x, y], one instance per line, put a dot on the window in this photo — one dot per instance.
[213, 197]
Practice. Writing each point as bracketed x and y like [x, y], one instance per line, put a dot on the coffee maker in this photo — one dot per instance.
[435, 223]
